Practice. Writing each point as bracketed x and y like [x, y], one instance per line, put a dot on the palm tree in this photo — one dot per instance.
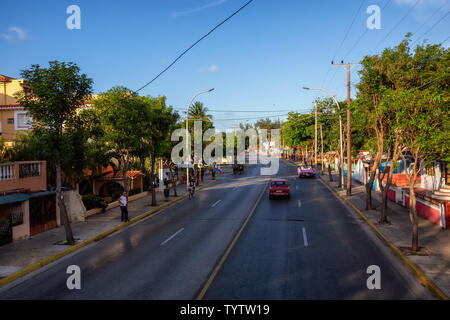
[199, 111]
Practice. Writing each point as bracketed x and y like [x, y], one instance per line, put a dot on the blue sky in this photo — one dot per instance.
[256, 61]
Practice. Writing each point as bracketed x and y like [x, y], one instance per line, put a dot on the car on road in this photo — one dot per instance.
[279, 188]
[306, 171]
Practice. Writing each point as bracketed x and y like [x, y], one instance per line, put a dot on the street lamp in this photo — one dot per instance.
[188, 152]
[340, 130]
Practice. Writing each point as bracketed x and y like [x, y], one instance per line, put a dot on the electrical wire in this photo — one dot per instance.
[398, 23]
[345, 37]
[193, 45]
[431, 28]
[423, 24]
[364, 33]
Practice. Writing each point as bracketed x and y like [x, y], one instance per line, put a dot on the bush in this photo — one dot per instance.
[89, 201]
[135, 191]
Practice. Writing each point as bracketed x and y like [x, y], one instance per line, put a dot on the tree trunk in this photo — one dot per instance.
[384, 194]
[61, 205]
[124, 176]
[369, 185]
[384, 206]
[329, 172]
[413, 217]
[152, 176]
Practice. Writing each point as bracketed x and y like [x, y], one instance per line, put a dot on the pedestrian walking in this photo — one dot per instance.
[123, 207]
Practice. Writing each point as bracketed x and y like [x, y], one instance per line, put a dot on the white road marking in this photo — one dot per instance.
[299, 203]
[296, 187]
[305, 240]
[171, 237]
[215, 204]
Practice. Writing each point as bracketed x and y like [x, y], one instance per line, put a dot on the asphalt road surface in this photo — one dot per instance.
[308, 247]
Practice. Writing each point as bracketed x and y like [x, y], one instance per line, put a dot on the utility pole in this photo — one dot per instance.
[315, 140]
[321, 143]
[349, 128]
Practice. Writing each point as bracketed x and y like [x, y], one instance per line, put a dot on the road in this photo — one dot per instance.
[308, 247]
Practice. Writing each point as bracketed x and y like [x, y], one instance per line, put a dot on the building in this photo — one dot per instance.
[26, 207]
[13, 117]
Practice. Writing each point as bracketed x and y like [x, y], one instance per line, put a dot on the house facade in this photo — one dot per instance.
[26, 207]
[13, 117]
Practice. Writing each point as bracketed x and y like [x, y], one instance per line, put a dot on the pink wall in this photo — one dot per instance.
[32, 183]
[23, 230]
[426, 211]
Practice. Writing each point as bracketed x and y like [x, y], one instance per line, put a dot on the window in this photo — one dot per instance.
[29, 170]
[279, 184]
[22, 120]
[10, 120]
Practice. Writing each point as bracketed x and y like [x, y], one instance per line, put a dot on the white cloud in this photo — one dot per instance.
[14, 33]
[212, 68]
[209, 5]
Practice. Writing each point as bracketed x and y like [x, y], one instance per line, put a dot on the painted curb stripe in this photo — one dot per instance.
[230, 247]
[98, 237]
[427, 282]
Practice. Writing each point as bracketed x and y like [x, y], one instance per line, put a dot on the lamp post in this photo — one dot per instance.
[340, 131]
[188, 152]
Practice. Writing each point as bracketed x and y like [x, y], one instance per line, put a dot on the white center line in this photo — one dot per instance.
[171, 237]
[299, 203]
[215, 204]
[305, 240]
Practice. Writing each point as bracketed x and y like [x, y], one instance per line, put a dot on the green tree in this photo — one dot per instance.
[56, 93]
[122, 115]
[5, 151]
[158, 124]
[422, 111]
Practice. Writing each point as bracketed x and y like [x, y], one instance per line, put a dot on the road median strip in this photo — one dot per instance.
[96, 238]
[427, 282]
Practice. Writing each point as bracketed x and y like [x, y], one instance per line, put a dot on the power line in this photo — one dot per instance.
[345, 37]
[240, 119]
[193, 45]
[237, 111]
[431, 28]
[363, 34]
[398, 23]
[438, 10]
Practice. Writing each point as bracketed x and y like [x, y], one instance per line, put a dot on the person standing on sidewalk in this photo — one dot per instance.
[123, 207]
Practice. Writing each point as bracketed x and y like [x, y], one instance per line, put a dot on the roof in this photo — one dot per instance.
[20, 197]
[108, 173]
[11, 106]
[5, 78]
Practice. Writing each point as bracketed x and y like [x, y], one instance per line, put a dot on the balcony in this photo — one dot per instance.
[29, 175]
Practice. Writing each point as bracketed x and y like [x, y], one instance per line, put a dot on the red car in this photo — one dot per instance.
[279, 188]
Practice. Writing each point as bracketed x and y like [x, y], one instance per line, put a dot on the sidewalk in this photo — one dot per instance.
[432, 237]
[24, 253]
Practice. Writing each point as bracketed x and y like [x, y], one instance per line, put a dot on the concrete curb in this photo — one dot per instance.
[415, 269]
[96, 238]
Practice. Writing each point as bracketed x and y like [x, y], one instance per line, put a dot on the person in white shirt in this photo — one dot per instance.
[123, 207]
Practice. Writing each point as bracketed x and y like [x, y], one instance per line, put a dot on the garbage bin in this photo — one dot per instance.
[166, 193]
